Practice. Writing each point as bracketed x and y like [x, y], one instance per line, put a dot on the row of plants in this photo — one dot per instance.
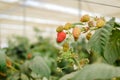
[26, 60]
[88, 50]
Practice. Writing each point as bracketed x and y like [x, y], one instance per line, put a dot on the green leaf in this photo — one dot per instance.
[24, 77]
[117, 24]
[25, 67]
[14, 77]
[2, 61]
[39, 66]
[97, 71]
[101, 37]
[68, 76]
[112, 49]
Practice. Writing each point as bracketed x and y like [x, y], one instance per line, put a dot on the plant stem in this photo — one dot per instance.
[3, 74]
[18, 65]
[79, 23]
[79, 67]
[11, 67]
[94, 28]
[30, 76]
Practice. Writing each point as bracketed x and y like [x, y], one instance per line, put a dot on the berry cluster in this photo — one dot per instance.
[72, 32]
[86, 25]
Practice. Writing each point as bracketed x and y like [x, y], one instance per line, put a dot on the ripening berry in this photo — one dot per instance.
[91, 24]
[61, 36]
[67, 26]
[85, 18]
[82, 62]
[65, 46]
[88, 36]
[86, 29]
[100, 23]
[8, 63]
[59, 29]
[76, 33]
[29, 55]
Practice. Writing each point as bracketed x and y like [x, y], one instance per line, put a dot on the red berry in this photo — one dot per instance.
[61, 36]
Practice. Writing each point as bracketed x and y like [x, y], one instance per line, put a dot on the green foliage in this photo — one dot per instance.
[23, 77]
[30, 60]
[14, 77]
[80, 47]
[117, 24]
[25, 67]
[18, 46]
[45, 48]
[106, 42]
[112, 49]
[101, 37]
[38, 66]
[97, 72]
[69, 76]
[2, 61]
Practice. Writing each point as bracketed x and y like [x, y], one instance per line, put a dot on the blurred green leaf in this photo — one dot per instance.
[36, 29]
[14, 77]
[39, 66]
[117, 24]
[98, 71]
[68, 76]
[25, 67]
[24, 77]
[2, 61]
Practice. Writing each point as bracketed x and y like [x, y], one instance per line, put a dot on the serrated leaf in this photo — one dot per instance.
[39, 66]
[97, 71]
[101, 37]
[112, 49]
[68, 76]
[2, 61]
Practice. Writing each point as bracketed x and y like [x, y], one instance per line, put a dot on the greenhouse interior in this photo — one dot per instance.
[59, 39]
